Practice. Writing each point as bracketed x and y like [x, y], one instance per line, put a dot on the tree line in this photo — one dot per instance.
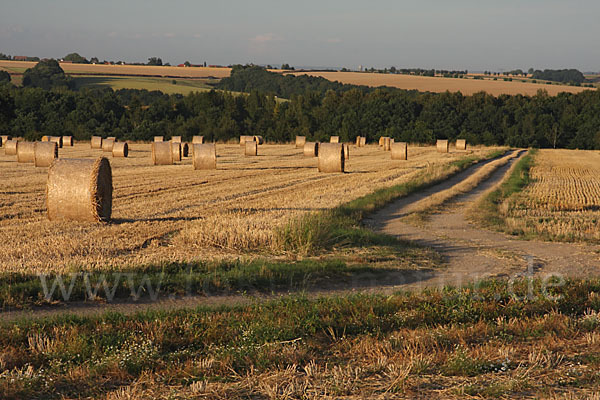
[315, 109]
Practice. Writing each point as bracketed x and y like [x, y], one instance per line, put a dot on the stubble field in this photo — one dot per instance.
[440, 85]
[562, 201]
[174, 213]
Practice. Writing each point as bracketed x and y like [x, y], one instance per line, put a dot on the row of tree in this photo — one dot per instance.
[316, 109]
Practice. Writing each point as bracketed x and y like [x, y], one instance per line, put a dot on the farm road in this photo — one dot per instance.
[471, 253]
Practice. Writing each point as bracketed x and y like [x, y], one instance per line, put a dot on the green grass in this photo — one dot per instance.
[486, 211]
[188, 279]
[166, 85]
[439, 337]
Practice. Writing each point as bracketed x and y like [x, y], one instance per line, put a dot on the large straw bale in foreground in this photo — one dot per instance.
[461, 144]
[442, 146]
[45, 153]
[58, 140]
[300, 141]
[197, 140]
[107, 144]
[205, 156]
[4, 139]
[162, 153]
[399, 151]
[79, 190]
[334, 139]
[10, 147]
[158, 139]
[331, 157]
[120, 149]
[176, 149]
[67, 140]
[26, 152]
[96, 142]
[311, 149]
[251, 148]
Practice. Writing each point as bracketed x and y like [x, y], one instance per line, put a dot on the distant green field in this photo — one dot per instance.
[165, 85]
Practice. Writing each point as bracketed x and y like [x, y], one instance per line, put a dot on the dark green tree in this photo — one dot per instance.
[76, 58]
[47, 75]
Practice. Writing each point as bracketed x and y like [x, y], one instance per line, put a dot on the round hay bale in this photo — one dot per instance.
[363, 141]
[176, 139]
[58, 140]
[251, 148]
[346, 151]
[300, 142]
[26, 152]
[400, 151]
[357, 142]
[185, 150]
[79, 190]
[10, 147]
[197, 140]
[244, 139]
[45, 138]
[461, 144]
[159, 139]
[387, 143]
[334, 139]
[205, 156]
[381, 140]
[5, 138]
[162, 153]
[107, 144]
[442, 146]
[45, 153]
[331, 157]
[67, 140]
[259, 139]
[311, 149]
[96, 142]
[176, 150]
[120, 149]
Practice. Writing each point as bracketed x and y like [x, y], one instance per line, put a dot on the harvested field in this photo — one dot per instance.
[562, 201]
[440, 85]
[147, 70]
[175, 213]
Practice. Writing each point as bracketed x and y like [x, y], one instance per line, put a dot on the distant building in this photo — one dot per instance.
[360, 68]
[20, 58]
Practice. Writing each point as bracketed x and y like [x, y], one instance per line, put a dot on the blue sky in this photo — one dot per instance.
[452, 34]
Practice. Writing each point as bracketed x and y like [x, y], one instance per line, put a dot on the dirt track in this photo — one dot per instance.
[471, 253]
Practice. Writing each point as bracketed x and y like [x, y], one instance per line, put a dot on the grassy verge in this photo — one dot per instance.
[341, 226]
[489, 340]
[199, 279]
[486, 211]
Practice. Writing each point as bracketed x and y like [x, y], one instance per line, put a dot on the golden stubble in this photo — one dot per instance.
[176, 213]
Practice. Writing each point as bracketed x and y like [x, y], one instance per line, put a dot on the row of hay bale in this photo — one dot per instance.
[59, 140]
[204, 155]
[40, 154]
[110, 145]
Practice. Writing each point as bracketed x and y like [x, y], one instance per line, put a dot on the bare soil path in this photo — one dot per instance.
[471, 253]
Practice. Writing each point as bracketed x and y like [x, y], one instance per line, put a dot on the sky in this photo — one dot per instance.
[444, 34]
